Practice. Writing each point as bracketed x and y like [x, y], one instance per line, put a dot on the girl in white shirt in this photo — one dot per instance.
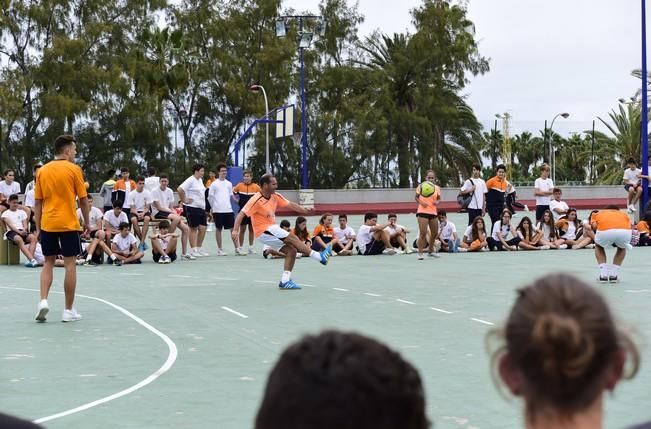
[474, 238]
[529, 236]
[571, 231]
[502, 230]
[549, 235]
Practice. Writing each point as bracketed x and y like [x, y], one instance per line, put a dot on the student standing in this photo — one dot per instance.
[543, 187]
[477, 187]
[243, 192]
[192, 196]
[496, 194]
[220, 195]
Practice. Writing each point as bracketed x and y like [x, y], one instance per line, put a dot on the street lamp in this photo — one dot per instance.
[256, 88]
[305, 39]
[552, 154]
[645, 114]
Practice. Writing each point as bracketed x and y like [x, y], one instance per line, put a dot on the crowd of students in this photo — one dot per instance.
[560, 351]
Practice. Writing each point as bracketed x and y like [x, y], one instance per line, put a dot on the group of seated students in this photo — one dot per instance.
[560, 350]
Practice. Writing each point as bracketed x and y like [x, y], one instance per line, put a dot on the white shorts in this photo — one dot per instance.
[273, 237]
[619, 237]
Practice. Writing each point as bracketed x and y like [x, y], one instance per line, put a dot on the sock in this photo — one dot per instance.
[603, 270]
[113, 257]
[89, 257]
[285, 277]
[315, 255]
[614, 270]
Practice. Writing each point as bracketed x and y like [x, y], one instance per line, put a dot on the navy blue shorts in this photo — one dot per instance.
[66, 243]
[162, 215]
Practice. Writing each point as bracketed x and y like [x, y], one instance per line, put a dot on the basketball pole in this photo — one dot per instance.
[645, 114]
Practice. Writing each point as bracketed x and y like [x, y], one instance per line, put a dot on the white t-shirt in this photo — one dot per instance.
[535, 231]
[467, 234]
[546, 230]
[139, 199]
[94, 214]
[219, 196]
[553, 205]
[7, 190]
[30, 201]
[342, 233]
[364, 237]
[38, 254]
[29, 186]
[152, 183]
[393, 229]
[195, 191]
[124, 243]
[544, 185]
[477, 201]
[447, 230]
[127, 191]
[571, 231]
[114, 221]
[165, 199]
[630, 176]
[15, 219]
[504, 230]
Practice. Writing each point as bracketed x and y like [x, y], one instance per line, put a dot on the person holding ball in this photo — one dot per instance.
[427, 197]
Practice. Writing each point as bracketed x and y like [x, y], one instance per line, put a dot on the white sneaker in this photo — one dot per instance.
[462, 250]
[420, 257]
[433, 255]
[195, 254]
[42, 310]
[633, 208]
[70, 316]
[220, 252]
[400, 252]
[202, 252]
[188, 257]
[589, 246]
[563, 246]
[409, 250]
[545, 247]
[252, 251]
[388, 252]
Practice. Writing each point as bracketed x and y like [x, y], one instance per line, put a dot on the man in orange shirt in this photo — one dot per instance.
[58, 184]
[261, 208]
[612, 227]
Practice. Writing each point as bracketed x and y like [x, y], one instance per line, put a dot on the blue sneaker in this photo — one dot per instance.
[325, 254]
[289, 284]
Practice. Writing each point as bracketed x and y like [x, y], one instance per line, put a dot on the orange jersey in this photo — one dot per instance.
[323, 231]
[643, 227]
[430, 201]
[262, 211]
[611, 219]
[243, 188]
[57, 184]
[495, 183]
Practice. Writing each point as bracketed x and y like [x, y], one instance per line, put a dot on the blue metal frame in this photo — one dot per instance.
[645, 114]
[266, 119]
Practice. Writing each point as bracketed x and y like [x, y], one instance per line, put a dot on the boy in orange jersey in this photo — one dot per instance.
[612, 227]
[243, 192]
[262, 211]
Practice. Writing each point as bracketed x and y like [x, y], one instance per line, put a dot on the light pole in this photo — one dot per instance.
[645, 114]
[256, 88]
[305, 39]
[552, 154]
[592, 155]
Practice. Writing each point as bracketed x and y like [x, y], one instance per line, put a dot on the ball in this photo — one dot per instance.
[427, 189]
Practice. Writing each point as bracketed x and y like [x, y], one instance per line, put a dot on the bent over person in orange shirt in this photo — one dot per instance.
[612, 227]
[261, 208]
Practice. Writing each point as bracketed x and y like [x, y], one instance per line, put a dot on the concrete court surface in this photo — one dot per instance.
[190, 344]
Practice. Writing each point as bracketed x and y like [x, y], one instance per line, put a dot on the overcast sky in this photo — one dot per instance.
[546, 57]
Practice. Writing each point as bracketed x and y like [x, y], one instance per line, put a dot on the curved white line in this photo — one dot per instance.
[171, 358]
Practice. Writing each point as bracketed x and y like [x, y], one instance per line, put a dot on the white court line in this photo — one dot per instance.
[372, 294]
[171, 358]
[179, 276]
[404, 301]
[130, 274]
[637, 290]
[264, 281]
[482, 321]
[306, 285]
[237, 313]
[341, 289]
[227, 279]
[441, 310]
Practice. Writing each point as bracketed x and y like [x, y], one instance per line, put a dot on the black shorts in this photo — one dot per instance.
[157, 256]
[92, 233]
[540, 211]
[196, 217]
[375, 247]
[628, 186]
[66, 243]
[162, 215]
[317, 247]
[108, 208]
[12, 234]
[208, 208]
[246, 221]
[223, 220]
[427, 215]
[145, 214]
[127, 211]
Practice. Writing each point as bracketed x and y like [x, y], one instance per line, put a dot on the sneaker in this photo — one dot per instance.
[188, 257]
[633, 208]
[288, 285]
[239, 252]
[400, 252]
[409, 250]
[563, 246]
[603, 279]
[70, 316]
[202, 252]
[590, 246]
[42, 310]
[265, 254]
[90, 263]
[433, 255]
[117, 262]
[325, 254]
[613, 279]
[462, 250]
[196, 254]
[389, 252]
[420, 257]
[161, 260]
[252, 251]
[545, 247]
[220, 252]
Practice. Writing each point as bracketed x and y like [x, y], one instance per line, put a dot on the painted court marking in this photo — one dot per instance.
[372, 294]
[440, 310]
[404, 301]
[237, 313]
[482, 321]
[265, 281]
[341, 289]
[169, 362]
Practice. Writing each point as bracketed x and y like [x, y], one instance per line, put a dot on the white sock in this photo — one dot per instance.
[614, 270]
[315, 255]
[89, 257]
[113, 257]
[285, 277]
[603, 270]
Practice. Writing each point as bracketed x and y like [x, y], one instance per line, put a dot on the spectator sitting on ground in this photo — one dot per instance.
[474, 238]
[163, 209]
[163, 244]
[268, 251]
[15, 221]
[338, 380]
[124, 247]
[112, 220]
[571, 231]
[549, 236]
[562, 351]
[502, 229]
[397, 234]
[345, 235]
[300, 230]
[323, 234]
[558, 208]
[644, 228]
[97, 235]
[448, 237]
[529, 235]
[372, 239]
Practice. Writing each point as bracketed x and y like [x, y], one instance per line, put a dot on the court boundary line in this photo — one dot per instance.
[169, 362]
